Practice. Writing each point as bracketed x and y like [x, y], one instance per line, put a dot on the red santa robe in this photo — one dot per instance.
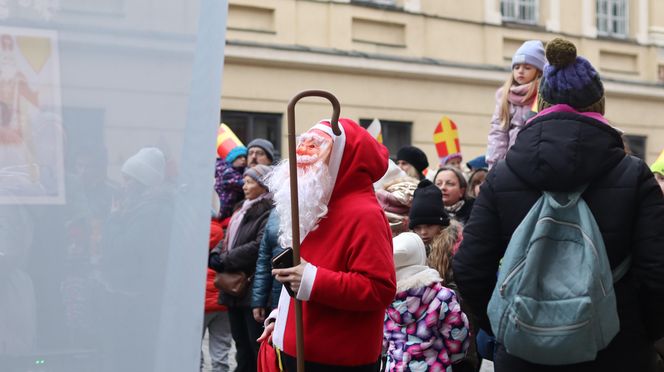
[350, 253]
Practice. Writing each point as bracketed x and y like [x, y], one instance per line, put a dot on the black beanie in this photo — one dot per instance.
[427, 208]
[414, 156]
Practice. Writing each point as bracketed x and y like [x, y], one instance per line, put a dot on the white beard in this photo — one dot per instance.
[314, 190]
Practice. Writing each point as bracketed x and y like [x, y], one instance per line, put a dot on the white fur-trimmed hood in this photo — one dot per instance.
[416, 277]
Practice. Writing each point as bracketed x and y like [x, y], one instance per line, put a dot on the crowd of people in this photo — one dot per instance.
[399, 261]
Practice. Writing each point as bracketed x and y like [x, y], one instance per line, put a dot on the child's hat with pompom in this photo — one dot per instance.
[570, 79]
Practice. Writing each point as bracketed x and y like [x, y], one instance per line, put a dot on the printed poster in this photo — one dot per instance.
[31, 134]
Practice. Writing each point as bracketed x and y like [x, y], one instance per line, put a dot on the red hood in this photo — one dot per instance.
[364, 160]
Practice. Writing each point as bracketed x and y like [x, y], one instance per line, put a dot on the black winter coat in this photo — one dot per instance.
[243, 255]
[560, 152]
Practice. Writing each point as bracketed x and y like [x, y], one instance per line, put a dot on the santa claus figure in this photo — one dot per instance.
[346, 278]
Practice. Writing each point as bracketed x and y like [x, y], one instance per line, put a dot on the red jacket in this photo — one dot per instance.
[211, 292]
[352, 250]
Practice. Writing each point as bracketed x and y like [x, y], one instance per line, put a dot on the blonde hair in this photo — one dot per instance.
[441, 249]
[504, 100]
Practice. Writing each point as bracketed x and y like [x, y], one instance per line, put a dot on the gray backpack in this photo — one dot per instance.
[554, 302]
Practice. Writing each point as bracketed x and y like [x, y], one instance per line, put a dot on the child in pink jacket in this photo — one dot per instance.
[514, 99]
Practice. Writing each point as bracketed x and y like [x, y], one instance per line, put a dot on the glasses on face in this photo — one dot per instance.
[256, 152]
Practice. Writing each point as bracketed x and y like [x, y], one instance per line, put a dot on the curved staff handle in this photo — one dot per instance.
[295, 211]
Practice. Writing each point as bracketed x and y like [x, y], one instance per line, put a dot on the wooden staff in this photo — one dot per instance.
[295, 211]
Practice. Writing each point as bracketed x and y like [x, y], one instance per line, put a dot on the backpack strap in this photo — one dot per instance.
[622, 269]
[559, 199]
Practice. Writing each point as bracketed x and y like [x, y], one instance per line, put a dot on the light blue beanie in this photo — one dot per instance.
[532, 53]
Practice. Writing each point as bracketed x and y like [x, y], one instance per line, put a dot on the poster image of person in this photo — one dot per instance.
[31, 149]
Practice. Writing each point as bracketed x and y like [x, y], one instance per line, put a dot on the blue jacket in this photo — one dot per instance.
[266, 289]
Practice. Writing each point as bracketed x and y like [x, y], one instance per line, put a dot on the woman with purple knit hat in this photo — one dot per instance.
[570, 146]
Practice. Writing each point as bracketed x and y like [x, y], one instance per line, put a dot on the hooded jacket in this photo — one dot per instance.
[424, 326]
[561, 151]
[425, 329]
[352, 252]
[211, 292]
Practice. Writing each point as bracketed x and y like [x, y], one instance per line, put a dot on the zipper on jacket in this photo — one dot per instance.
[512, 273]
[519, 323]
[585, 237]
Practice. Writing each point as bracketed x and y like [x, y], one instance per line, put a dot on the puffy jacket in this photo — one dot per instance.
[242, 256]
[211, 292]
[267, 289]
[228, 184]
[501, 140]
[425, 329]
[560, 151]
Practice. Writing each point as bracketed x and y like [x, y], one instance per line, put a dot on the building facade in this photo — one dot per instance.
[409, 62]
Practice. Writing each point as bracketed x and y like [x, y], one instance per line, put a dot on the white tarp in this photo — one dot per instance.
[108, 117]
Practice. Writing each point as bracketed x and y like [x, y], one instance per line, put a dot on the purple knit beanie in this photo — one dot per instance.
[569, 79]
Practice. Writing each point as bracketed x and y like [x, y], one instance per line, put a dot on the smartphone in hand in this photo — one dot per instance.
[284, 260]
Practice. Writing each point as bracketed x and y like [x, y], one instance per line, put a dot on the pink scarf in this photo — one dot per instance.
[567, 108]
[518, 93]
[237, 217]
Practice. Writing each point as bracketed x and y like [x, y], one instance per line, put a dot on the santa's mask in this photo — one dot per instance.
[313, 149]
[314, 184]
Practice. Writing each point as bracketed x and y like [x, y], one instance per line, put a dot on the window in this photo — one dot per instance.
[396, 134]
[250, 125]
[521, 11]
[636, 144]
[612, 18]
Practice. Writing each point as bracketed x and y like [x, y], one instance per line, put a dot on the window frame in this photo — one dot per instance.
[251, 117]
[610, 20]
[516, 11]
[386, 125]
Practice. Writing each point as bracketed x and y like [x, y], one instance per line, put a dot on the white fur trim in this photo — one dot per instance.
[339, 143]
[422, 278]
[273, 316]
[307, 283]
[282, 317]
